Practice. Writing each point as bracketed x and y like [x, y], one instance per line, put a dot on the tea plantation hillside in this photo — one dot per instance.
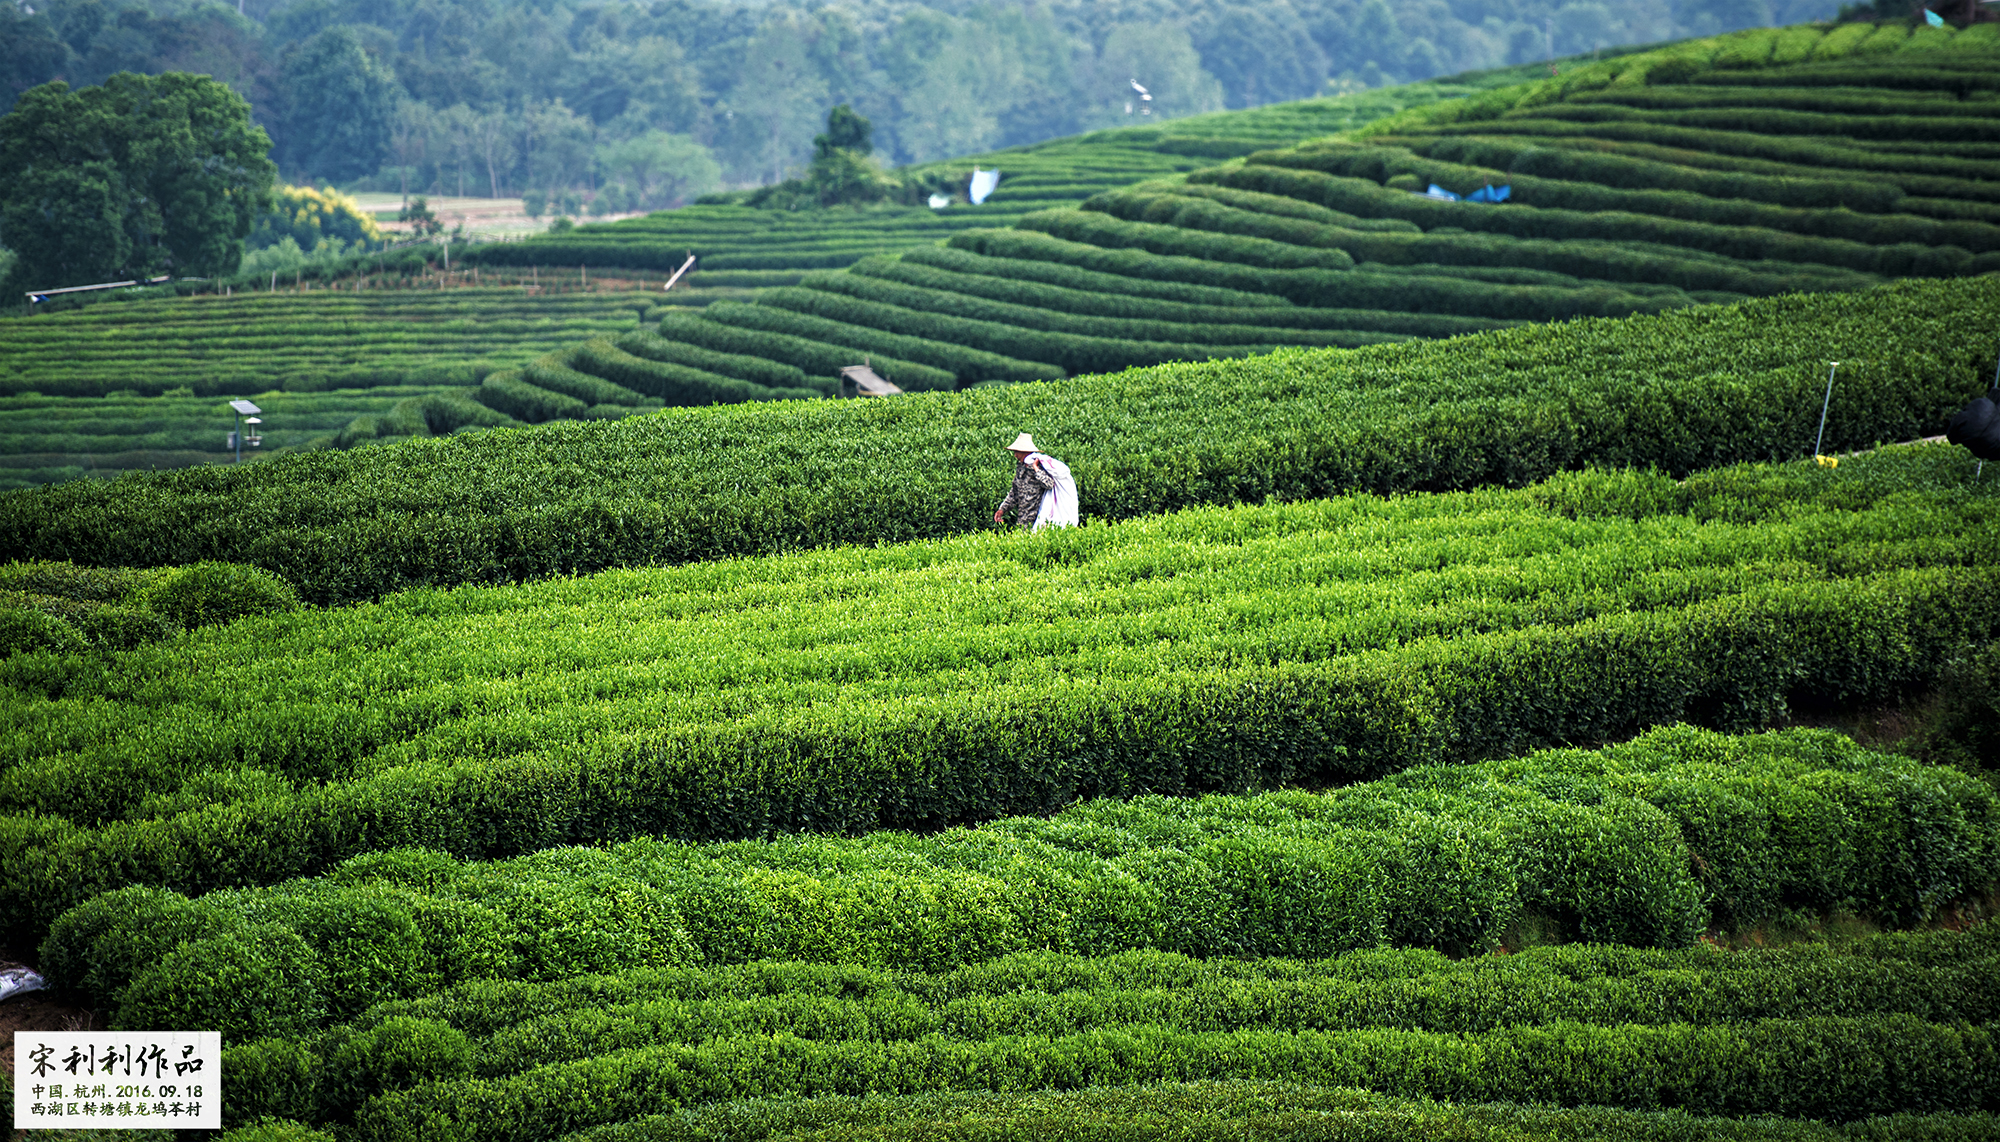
[737, 240]
[1317, 245]
[1206, 820]
[1765, 162]
[343, 836]
[1419, 738]
[905, 686]
[1682, 391]
[372, 321]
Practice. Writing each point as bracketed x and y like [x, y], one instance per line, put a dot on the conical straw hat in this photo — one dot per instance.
[1023, 443]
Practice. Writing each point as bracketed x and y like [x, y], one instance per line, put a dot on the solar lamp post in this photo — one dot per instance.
[243, 408]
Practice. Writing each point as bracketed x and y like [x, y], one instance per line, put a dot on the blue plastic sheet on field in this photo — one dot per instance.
[1491, 194]
[1437, 191]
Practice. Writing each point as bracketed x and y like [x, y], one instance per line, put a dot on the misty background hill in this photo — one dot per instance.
[655, 103]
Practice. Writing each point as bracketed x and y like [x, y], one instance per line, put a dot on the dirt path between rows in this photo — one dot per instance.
[36, 1011]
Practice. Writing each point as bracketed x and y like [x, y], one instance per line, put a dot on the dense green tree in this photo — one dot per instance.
[105, 37]
[492, 137]
[1259, 54]
[954, 79]
[457, 149]
[339, 104]
[556, 147]
[842, 172]
[31, 53]
[770, 111]
[446, 53]
[417, 212]
[138, 177]
[1712, 16]
[410, 130]
[658, 169]
[1053, 61]
[845, 131]
[645, 82]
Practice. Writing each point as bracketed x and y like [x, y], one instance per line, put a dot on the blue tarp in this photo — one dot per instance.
[1483, 194]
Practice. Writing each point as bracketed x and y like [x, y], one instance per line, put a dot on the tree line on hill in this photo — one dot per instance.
[137, 177]
[147, 176]
[627, 105]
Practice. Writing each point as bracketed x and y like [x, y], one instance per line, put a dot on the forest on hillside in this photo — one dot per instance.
[631, 105]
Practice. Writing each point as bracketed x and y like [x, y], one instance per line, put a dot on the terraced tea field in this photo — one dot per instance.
[367, 821]
[645, 780]
[1415, 741]
[301, 342]
[143, 384]
[363, 327]
[1766, 162]
[1680, 391]
[1314, 245]
[736, 244]
[49, 439]
[1422, 736]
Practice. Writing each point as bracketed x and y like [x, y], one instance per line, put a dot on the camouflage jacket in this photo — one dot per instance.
[1025, 497]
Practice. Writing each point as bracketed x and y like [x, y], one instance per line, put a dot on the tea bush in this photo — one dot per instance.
[211, 592]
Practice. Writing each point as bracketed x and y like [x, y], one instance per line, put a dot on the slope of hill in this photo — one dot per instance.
[1654, 180]
[1034, 177]
[1680, 390]
[1765, 162]
[709, 775]
[387, 325]
[742, 81]
[481, 831]
[1861, 155]
[952, 680]
[143, 384]
[356, 335]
